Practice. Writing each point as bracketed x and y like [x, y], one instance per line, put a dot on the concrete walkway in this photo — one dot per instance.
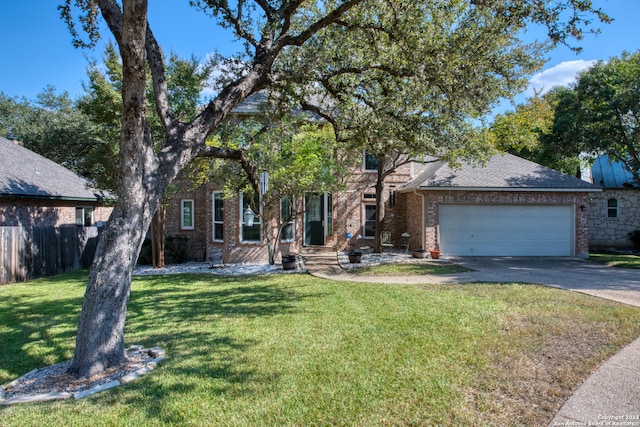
[611, 395]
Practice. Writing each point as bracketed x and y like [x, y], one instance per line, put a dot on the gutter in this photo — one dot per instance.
[502, 189]
[45, 197]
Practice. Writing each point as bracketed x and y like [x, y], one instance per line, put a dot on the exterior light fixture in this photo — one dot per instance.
[249, 216]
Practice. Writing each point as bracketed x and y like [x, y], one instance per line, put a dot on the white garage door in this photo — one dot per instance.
[506, 230]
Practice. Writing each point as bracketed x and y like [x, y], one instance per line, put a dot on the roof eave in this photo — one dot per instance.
[505, 189]
[49, 197]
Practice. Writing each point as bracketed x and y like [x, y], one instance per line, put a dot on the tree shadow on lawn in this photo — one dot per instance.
[184, 317]
[35, 334]
[162, 312]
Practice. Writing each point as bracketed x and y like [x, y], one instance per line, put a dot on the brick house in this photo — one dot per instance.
[35, 191]
[615, 212]
[509, 207]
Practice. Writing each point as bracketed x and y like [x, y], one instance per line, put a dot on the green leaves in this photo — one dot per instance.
[604, 106]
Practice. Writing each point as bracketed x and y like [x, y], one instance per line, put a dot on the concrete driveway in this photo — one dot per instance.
[617, 284]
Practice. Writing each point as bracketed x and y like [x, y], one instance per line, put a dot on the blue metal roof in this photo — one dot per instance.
[609, 174]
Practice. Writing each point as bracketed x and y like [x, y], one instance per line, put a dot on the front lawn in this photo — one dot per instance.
[616, 260]
[296, 350]
[409, 269]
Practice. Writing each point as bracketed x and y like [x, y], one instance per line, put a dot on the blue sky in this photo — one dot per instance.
[36, 48]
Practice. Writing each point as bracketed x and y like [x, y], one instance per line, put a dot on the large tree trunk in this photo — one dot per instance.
[100, 338]
[143, 178]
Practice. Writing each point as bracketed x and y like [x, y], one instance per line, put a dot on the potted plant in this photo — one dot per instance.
[435, 252]
[289, 262]
[420, 253]
[355, 257]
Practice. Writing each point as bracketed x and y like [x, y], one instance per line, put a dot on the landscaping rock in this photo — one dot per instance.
[156, 352]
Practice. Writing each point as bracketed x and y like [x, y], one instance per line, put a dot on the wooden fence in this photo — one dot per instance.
[29, 253]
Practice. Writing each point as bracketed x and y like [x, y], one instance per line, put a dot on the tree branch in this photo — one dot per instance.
[325, 21]
[159, 80]
[238, 156]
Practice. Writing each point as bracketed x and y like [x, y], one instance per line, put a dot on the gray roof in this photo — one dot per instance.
[257, 103]
[25, 174]
[608, 174]
[503, 172]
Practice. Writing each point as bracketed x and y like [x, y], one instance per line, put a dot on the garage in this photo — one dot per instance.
[506, 230]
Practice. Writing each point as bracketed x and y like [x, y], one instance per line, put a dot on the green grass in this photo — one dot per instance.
[295, 350]
[409, 269]
[615, 260]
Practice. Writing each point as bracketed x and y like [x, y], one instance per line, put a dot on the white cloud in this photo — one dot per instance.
[562, 74]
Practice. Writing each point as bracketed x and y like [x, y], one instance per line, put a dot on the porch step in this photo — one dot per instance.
[322, 263]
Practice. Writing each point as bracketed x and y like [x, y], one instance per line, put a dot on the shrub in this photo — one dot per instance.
[175, 249]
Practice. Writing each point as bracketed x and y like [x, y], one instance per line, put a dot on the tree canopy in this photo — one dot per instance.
[602, 111]
[598, 114]
[340, 51]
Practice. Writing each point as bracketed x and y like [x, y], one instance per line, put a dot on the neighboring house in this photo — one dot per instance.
[35, 191]
[509, 207]
[615, 212]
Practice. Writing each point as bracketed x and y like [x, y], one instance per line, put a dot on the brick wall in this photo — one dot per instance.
[347, 212]
[46, 213]
[433, 198]
[350, 211]
[196, 237]
[608, 231]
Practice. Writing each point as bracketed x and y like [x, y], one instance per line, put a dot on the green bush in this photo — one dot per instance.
[175, 249]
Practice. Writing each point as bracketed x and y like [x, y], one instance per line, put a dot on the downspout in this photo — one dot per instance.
[423, 243]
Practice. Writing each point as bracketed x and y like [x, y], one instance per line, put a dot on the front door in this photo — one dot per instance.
[314, 230]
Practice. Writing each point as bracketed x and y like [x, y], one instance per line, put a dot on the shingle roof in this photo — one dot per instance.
[503, 172]
[26, 174]
[256, 103]
[609, 174]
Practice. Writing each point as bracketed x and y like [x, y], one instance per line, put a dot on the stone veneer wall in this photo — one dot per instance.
[433, 198]
[613, 232]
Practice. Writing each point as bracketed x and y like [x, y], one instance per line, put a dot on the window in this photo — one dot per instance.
[369, 221]
[392, 198]
[370, 162]
[250, 233]
[288, 233]
[84, 216]
[612, 208]
[186, 215]
[218, 217]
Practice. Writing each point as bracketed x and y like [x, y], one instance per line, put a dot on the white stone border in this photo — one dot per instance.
[157, 353]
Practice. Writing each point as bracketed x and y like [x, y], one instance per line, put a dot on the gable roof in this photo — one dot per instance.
[608, 174]
[25, 174]
[503, 172]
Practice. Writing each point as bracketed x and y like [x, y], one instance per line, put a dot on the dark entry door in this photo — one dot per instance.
[314, 219]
